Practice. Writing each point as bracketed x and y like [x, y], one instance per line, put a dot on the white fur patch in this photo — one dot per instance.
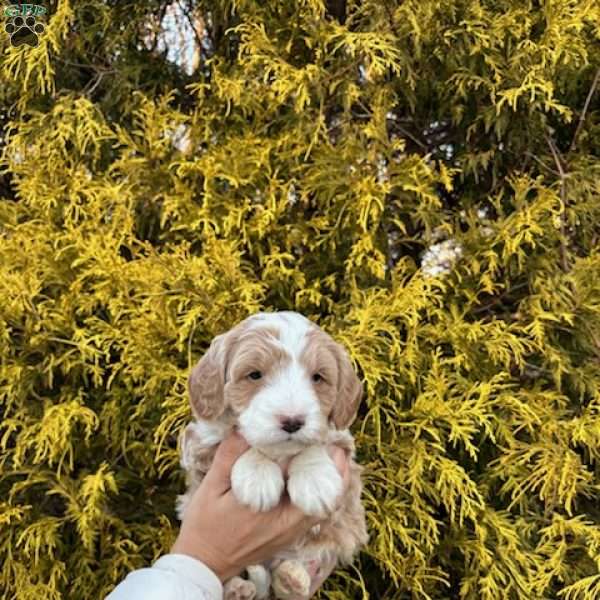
[261, 578]
[257, 481]
[211, 433]
[314, 483]
[292, 327]
[291, 394]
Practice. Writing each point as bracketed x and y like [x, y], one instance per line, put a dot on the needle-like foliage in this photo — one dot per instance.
[420, 178]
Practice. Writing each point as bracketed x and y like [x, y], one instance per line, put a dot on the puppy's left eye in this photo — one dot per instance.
[255, 375]
[317, 377]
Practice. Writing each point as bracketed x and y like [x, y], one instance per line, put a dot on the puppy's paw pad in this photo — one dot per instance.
[239, 589]
[290, 580]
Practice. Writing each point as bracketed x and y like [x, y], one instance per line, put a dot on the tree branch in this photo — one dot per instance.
[563, 198]
[585, 109]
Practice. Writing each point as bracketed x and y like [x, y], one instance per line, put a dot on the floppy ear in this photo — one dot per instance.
[207, 380]
[349, 390]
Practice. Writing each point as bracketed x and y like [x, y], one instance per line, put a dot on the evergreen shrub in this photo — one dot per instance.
[421, 178]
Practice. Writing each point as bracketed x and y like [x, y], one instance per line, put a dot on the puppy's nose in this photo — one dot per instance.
[291, 424]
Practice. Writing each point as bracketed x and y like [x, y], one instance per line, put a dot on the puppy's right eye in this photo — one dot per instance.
[255, 375]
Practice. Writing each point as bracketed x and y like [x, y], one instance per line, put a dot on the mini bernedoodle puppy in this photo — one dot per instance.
[290, 389]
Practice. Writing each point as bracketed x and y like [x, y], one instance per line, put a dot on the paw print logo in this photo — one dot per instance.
[24, 31]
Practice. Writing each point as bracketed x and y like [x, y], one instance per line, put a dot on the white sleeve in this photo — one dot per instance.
[171, 577]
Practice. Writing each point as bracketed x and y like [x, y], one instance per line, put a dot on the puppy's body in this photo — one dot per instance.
[290, 390]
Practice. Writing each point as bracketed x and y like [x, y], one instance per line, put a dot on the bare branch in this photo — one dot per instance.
[585, 109]
[531, 155]
[563, 198]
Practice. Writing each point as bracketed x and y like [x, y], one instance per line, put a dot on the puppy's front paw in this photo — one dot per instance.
[291, 580]
[314, 483]
[256, 481]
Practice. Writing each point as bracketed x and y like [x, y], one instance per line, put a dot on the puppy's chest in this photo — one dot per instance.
[282, 454]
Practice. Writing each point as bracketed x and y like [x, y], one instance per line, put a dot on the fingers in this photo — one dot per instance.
[229, 450]
[291, 518]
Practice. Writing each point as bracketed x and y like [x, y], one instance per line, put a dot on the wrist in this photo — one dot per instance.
[218, 566]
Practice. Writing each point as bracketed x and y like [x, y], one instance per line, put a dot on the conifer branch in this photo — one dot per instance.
[542, 164]
[501, 298]
[585, 109]
[390, 15]
[563, 197]
[121, 258]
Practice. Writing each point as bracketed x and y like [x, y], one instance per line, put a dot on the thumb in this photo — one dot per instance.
[218, 478]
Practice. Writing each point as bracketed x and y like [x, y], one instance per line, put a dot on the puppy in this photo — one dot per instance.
[290, 389]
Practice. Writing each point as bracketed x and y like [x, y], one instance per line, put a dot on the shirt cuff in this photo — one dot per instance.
[193, 570]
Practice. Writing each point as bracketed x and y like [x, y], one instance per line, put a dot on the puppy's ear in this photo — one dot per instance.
[207, 379]
[349, 390]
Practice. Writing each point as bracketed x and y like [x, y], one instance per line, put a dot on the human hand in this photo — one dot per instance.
[227, 536]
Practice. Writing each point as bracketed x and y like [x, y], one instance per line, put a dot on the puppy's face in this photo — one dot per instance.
[285, 380]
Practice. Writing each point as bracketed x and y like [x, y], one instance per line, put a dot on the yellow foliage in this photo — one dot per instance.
[419, 178]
